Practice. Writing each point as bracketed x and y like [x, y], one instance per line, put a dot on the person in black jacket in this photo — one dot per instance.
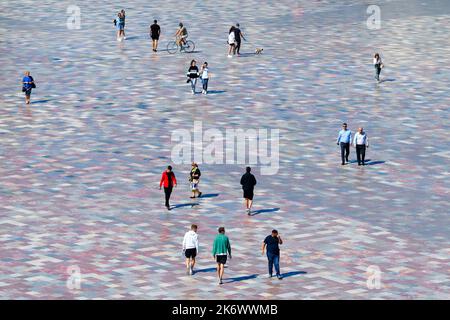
[192, 75]
[248, 182]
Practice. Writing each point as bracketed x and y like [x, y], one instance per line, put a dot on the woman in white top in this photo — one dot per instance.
[205, 76]
[231, 41]
[378, 64]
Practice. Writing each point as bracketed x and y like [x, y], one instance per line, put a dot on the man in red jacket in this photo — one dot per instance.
[169, 181]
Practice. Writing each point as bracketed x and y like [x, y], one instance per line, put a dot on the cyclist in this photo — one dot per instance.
[181, 35]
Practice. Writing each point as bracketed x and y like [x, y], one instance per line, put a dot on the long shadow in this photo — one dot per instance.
[387, 80]
[264, 211]
[132, 38]
[372, 163]
[216, 91]
[292, 273]
[247, 54]
[40, 101]
[206, 270]
[193, 51]
[184, 205]
[243, 278]
[210, 195]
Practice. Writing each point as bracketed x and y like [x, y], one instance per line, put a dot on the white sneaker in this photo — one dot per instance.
[118, 39]
[229, 56]
[124, 38]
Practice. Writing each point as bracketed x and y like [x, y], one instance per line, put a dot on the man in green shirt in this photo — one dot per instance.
[221, 247]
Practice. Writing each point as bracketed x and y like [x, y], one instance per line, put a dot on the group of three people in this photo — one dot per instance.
[169, 181]
[221, 250]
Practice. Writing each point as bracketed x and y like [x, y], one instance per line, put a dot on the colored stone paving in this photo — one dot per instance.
[80, 166]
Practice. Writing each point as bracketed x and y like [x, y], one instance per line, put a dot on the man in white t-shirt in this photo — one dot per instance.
[190, 248]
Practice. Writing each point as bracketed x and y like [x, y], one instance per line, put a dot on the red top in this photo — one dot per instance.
[165, 179]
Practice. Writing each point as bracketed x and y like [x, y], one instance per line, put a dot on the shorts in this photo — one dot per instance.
[222, 259]
[248, 194]
[155, 37]
[120, 26]
[28, 92]
[194, 185]
[190, 253]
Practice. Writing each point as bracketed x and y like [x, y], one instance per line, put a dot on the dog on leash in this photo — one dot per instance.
[259, 50]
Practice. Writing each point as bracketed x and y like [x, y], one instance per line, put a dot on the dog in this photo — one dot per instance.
[259, 50]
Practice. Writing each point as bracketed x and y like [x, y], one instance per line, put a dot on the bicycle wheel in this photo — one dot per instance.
[189, 47]
[172, 47]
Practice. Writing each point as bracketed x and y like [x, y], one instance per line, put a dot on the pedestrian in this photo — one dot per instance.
[205, 75]
[194, 179]
[344, 139]
[192, 75]
[123, 17]
[378, 64]
[155, 32]
[272, 243]
[190, 248]
[221, 247]
[119, 22]
[169, 181]
[231, 41]
[238, 35]
[361, 142]
[248, 182]
[28, 85]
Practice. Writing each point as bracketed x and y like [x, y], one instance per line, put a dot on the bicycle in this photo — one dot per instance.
[173, 47]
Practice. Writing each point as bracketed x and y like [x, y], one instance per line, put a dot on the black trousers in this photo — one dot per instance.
[345, 151]
[168, 192]
[361, 153]
[237, 46]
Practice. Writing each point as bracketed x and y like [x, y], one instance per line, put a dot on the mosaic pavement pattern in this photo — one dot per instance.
[80, 166]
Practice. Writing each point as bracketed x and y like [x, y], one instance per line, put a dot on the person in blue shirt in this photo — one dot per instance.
[27, 86]
[344, 140]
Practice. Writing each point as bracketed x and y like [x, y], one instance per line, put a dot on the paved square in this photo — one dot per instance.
[80, 166]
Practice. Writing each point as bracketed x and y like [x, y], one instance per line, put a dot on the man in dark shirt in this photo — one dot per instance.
[238, 35]
[248, 182]
[155, 31]
[273, 252]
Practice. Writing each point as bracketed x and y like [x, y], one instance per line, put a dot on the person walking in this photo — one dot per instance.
[120, 24]
[361, 142]
[155, 32]
[205, 75]
[231, 41]
[221, 247]
[194, 179]
[238, 35]
[272, 243]
[190, 248]
[169, 181]
[344, 139]
[192, 75]
[28, 85]
[378, 64]
[248, 182]
[123, 17]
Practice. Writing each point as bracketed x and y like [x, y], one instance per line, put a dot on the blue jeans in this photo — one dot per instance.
[274, 259]
[193, 83]
[205, 84]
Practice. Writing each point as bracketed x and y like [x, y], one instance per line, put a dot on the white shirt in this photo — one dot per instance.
[361, 139]
[205, 73]
[376, 61]
[190, 240]
[231, 38]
